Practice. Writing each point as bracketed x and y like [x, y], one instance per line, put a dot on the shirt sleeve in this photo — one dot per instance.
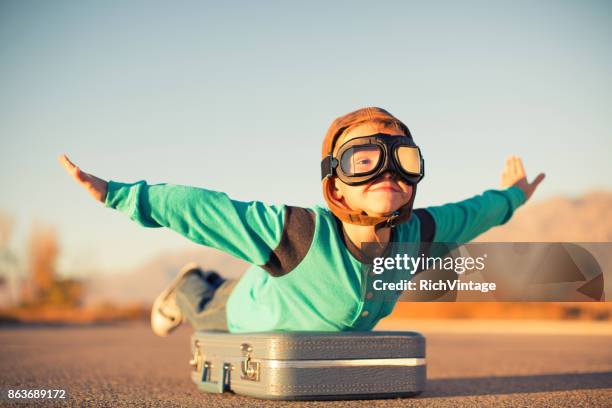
[246, 230]
[463, 221]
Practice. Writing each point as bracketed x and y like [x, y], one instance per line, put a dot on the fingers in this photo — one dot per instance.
[515, 166]
[509, 163]
[507, 177]
[520, 168]
[94, 185]
[64, 160]
[509, 173]
[71, 168]
[510, 168]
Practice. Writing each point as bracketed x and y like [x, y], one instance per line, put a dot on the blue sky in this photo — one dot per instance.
[237, 97]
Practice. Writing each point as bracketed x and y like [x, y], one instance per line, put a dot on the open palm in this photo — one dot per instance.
[94, 185]
[514, 175]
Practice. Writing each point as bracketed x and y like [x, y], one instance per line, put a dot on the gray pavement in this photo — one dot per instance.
[126, 365]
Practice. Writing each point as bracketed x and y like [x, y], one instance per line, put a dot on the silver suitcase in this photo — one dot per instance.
[310, 365]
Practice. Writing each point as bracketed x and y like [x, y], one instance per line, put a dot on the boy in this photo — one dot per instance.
[306, 271]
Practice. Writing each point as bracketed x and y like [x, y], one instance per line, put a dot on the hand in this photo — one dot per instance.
[94, 185]
[514, 175]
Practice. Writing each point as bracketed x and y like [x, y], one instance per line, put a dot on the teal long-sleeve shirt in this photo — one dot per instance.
[305, 274]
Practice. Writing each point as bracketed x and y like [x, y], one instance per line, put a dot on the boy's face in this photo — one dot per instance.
[380, 196]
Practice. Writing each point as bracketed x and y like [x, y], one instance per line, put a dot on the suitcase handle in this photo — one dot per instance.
[222, 378]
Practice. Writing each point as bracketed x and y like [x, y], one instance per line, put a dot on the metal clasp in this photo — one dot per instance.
[209, 377]
[249, 370]
[197, 359]
[392, 218]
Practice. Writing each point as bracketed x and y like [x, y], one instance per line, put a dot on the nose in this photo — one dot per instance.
[389, 175]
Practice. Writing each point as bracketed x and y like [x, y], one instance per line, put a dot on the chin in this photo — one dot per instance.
[382, 210]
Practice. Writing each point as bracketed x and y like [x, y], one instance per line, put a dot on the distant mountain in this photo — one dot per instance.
[583, 219]
[587, 218]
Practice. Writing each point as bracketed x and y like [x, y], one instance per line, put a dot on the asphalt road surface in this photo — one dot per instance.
[126, 365]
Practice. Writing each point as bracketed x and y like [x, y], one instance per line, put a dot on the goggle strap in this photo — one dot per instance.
[391, 221]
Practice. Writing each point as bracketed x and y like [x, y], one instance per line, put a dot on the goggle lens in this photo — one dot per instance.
[360, 160]
[409, 159]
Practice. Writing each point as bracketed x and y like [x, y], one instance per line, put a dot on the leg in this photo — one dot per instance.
[201, 297]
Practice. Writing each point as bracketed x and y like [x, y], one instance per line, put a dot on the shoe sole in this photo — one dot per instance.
[159, 300]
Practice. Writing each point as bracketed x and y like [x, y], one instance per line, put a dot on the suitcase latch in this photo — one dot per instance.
[208, 372]
[196, 360]
[249, 370]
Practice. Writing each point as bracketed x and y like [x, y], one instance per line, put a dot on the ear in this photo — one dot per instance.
[336, 189]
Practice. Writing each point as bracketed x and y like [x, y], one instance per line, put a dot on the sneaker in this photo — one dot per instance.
[165, 314]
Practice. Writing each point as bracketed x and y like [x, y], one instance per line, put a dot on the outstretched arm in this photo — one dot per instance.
[246, 230]
[463, 221]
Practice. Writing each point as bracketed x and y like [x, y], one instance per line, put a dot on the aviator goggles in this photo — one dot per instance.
[363, 159]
